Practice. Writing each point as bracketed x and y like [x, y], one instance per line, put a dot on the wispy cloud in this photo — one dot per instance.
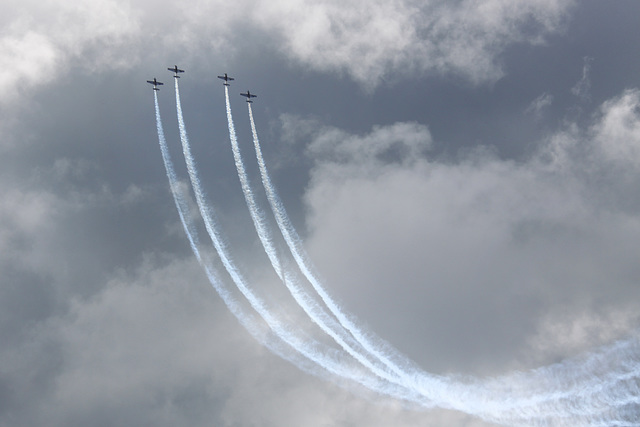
[582, 89]
[538, 105]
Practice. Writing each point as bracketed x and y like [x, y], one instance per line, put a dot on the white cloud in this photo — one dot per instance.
[43, 40]
[372, 40]
[53, 227]
[580, 330]
[481, 238]
[32, 55]
[401, 143]
[368, 41]
[157, 347]
[364, 39]
[618, 130]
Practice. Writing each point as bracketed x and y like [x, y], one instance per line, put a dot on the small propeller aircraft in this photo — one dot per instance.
[155, 83]
[226, 79]
[176, 70]
[249, 95]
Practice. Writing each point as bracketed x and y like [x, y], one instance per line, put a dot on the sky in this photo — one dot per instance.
[463, 176]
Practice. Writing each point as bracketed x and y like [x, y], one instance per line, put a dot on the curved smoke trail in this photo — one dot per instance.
[296, 248]
[600, 390]
[245, 319]
[309, 348]
[560, 394]
[315, 312]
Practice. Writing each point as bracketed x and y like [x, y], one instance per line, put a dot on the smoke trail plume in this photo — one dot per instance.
[315, 312]
[323, 356]
[380, 350]
[246, 319]
[600, 389]
[570, 393]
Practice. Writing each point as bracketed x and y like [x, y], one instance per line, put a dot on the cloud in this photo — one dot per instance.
[539, 104]
[400, 143]
[367, 41]
[516, 244]
[618, 130]
[370, 41]
[43, 40]
[121, 353]
[575, 332]
[31, 55]
[582, 89]
[157, 347]
[58, 232]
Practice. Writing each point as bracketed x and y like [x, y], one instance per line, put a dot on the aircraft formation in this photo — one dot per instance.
[600, 389]
[176, 71]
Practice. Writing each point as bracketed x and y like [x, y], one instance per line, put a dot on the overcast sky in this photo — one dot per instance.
[464, 176]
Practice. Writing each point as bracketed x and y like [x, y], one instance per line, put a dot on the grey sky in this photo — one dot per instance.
[464, 175]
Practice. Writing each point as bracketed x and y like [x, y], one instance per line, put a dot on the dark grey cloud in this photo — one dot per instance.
[430, 154]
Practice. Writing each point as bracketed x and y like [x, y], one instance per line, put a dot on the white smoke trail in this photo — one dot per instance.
[434, 388]
[614, 403]
[309, 348]
[251, 325]
[578, 389]
[556, 395]
[315, 312]
[294, 243]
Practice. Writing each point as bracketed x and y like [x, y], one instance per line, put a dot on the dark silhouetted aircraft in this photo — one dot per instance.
[176, 70]
[226, 79]
[249, 95]
[155, 83]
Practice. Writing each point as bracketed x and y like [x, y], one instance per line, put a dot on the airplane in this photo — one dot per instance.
[155, 83]
[226, 79]
[176, 70]
[249, 95]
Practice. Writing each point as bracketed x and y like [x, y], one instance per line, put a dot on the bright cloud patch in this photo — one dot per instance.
[370, 40]
[41, 40]
[366, 40]
[482, 237]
